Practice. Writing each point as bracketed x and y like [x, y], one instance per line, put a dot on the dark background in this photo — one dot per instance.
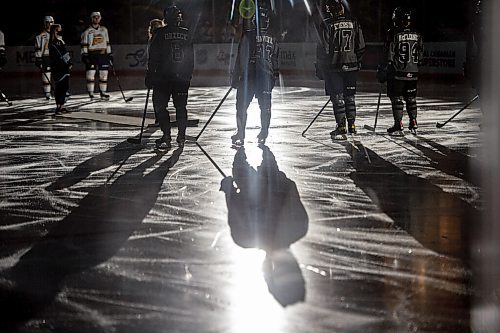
[127, 20]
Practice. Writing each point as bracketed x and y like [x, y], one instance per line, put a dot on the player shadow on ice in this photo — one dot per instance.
[438, 220]
[118, 154]
[265, 212]
[89, 235]
[449, 161]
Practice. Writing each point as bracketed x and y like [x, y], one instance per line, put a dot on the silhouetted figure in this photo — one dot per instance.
[265, 212]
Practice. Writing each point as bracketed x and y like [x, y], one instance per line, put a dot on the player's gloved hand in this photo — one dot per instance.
[85, 59]
[381, 74]
[38, 62]
[226, 185]
[319, 71]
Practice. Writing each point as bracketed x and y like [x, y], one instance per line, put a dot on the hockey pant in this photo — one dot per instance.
[401, 92]
[262, 90]
[342, 89]
[97, 62]
[46, 75]
[61, 87]
[178, 90]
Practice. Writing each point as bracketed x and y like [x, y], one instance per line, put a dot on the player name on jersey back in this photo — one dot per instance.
[176, 35]
[343, 25]
[407, 37]
[264, 39]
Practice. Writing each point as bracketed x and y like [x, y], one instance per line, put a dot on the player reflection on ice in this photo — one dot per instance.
[265, 212]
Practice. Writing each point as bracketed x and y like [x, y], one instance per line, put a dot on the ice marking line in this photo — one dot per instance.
[216, 239]
[95, 316]
[163, 233]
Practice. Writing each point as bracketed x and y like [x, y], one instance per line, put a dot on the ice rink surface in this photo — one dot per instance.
[305, 234]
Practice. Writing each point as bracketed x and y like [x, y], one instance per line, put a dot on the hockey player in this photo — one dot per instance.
[404, 51]
[154, 25]
[472, 68]
[255, 71]
[42, 60]
[60, 62]
[96, 55]
[170, 69]
[339, 62]
[3, 57]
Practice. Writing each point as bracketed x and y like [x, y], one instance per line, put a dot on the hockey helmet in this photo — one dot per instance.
[48, 19]
[335, 7]
[95, 14]
[172, 16]
[401, 18]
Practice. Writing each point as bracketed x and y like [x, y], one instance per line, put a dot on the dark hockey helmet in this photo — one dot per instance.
[401, 18]
[172, 16]
[335, 7]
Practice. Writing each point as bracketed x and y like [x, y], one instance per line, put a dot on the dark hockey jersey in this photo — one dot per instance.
[257, 50]
[404, 49]
[346, 45]
[171, 54]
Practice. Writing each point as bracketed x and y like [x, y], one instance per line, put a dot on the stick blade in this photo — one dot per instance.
[439, 125]
[128, 99]
[370, 128]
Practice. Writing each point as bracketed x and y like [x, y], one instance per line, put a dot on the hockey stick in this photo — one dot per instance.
[368, 127]
[213, 114]
[135, 140]
[211, 160]
[439, 125]
[3, 97]
[320, 111]
[119, 84]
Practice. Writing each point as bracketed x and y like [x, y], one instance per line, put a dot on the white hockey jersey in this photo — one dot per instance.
[95, 40]
[42, 44]
[2, 42]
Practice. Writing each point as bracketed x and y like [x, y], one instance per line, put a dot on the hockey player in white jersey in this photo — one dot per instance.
[3, 57]
[42, 59]
[96, 55]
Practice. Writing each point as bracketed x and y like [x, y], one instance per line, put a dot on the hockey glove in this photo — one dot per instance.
[382, 74]
[319, 71]
[38, 62]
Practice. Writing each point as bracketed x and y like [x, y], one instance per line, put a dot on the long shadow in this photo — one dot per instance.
[116, 155]
[265, 212]
[437, 219]
[91, 234]
[449, 161]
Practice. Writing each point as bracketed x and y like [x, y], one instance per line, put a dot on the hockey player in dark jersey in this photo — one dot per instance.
[255, 71]
[404, 51]
[60, 62]
[170, 69]
[472, 66]
[339, 61]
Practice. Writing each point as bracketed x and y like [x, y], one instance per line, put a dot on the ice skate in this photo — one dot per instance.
[339, 133]
[413, 126]
[396, 129]
[104, 96]
[165, 142]
[261, 138]
[237, 140]
[181, 139]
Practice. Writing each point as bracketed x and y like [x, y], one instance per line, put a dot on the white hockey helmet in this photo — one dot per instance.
[48, 18]
[98, 14]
